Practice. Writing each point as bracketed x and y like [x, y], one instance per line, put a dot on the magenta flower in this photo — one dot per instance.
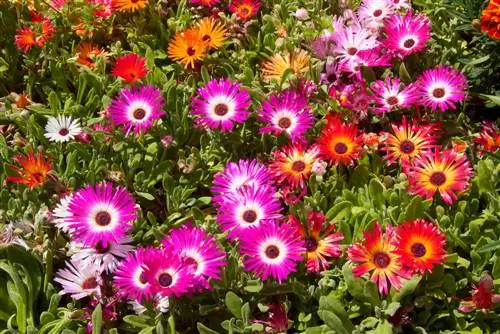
[351, 40]
[391, 94]
[129, 276]
[372, 13]
[407, 34]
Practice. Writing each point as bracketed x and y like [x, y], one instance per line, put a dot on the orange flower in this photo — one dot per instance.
[83, 30]
[187, 47]
[33, 171]
[275, 66]
[245, 9]
[36, 33]
[490, 19]
[129, 5]
[87, 53]
[22, 101]
[212, 32]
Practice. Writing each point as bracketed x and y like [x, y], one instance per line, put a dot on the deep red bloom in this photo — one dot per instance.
[277, 320]
[33, 171]
[130, 67]
[488, 140]
[483, 297]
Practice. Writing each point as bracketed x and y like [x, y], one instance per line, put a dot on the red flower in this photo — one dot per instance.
[488, 140]
[33, 171]
[36, 33]
[130, 67]
[245, 9]
[490, 19]
[483, 297]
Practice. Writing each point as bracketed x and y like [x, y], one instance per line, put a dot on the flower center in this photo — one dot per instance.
[409, 43]
[190, 51]
[438, 93]
[165, 280]
[250, 216]
[221, 109]
[418, 249]
[299, 166]
[63, 132]
[89, 283]
[142, 278]
[190, 262]
[407, 147]
[382, 260]
[244, 11]
[139, 113]
[438, 178]
[100, 249]
[39, 177]
[207, 38]
[352, 51]
[392, 100]
[284, 122]
[272, 252]
[340, 148]
[311, 244]
[103, 218]
[377, 13]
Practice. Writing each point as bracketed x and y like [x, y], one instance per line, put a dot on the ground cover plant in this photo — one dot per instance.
[247, 166]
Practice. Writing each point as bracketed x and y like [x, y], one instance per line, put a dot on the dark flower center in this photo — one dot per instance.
[244, 11]
[103, 218]
[100, 249]
[438, 93]
[438, 178]
[250, 216]
[190, 51]
[311, 244]
[352, 51]
[418, 249]
[340, 148]
[142, 278]
[382, 260]
[139, 113]
[272, 252]
[284, 122]
[299, 166]
[392, 100]
[206, 38]
[190, 262]
[409, 43]
[165, 280]
[221, 109]
[331, 77]
[134, 1]
[63, 132]
[89, 283]
[407, 147]
[377, 13]
[39, 178]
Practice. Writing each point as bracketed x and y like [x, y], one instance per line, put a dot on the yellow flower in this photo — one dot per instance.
[278, 64]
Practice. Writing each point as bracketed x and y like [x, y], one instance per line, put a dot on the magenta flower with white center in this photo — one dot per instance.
[407, 34]
[351, 40]
[372, 13]
[286, 112]
[247, 209]
[199, 252]
[80, 279]
[441, 87]
[365, 58]
[391, 94]
[272, 250]
[220, 104]
[101, 214]
[136, 108]
[239, 174]
[129, 276]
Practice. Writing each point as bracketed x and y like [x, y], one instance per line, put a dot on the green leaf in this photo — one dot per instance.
[136, 321]
[489, 247]
[339, 210]
[234, 304]
[355, 286]
[407, 289]
[147, 196]
[202, 329]
[383, 327]
[97, 320]
[253, 286]
[495, 99]
[376, 191]
[332, 321]
[332, 304]
[246, 314]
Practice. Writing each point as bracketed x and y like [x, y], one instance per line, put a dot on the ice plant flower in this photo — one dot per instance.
[101, 214]
[407, 34]
[490, 19]
[33, 170]
[62, 128]
[212, 32]
[271, 250]
[420, 245]
[440, 88]
[276, 320]
[221, 104]
[340, 142]
[80, 279]
[187, 47]
[390, 94]
[35, 33]
[287, 112]
[245, 9]
[102, 8]
[276, 66]
[247, 208]
[372, 13]
[87, 53]
[237, 175]
[292, 164]
[129, 276]
[408, 141]
[199, 252]
[130, 67]
[61, 213]
[204, 3]
[377, 253]
[483, 296]
[320, 242]
[351, 40]
[136, 108]
[444, 172]
[488, 140]
[129, 5]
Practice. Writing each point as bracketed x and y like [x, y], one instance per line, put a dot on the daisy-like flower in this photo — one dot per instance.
[321, 243]
[187, 47]
[364, 58]
[351, 40]
[490, 19]
[377, 253]
[441, 87]
[107, 257]
[101, 214]
[292, 164]
[420, 245]
[409, 141]
[271, 250]
[129, 5]
[340, 142]
[212, 32]
[488, 140]
[129, 276]
[25, 38]
[236, 175]
[167, 274]
[61, 214]
[204, 3]
[245, 9]
[199, 252]
[33, 170]
[391, 94]
[372, 13]
[276, 66]
[401, 4]
[80, 279]
[286, 112]
[483, 296]
[62, 128]
[102, 8]
[221, 104]
[247, 208]
[36, 33]
[87, 54]
[130, 67]
[437, 171]
[407, 34]
[136, 108]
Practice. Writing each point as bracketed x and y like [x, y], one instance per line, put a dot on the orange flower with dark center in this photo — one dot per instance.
[490, 19]
[245, 9]
[212, 32]
[187, 47]
[87, 53]
[129, 5]
[33, 169]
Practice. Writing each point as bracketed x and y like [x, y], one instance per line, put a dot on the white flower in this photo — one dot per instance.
[61, 128]
[79, 279]
[302, 14]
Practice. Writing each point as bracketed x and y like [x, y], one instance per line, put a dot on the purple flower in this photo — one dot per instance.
[407, 34]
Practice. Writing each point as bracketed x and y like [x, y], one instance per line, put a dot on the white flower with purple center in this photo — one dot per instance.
[61, 128]
[372, 13]
[61, 214]
[351, 40]
[391, 94]
[407, 34]
[80, 279]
